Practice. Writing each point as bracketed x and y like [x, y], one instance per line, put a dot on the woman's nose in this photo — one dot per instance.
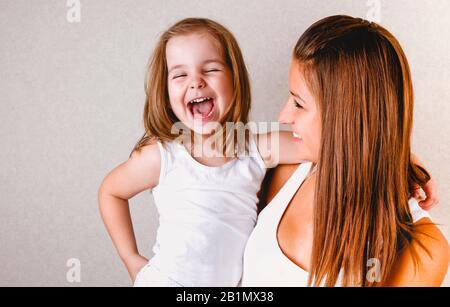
[285, 116]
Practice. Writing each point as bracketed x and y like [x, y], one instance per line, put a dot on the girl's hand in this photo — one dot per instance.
[134, 264]
[431, 198]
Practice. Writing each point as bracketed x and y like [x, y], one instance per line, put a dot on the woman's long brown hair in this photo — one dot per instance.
[158, 117]
[362, 82]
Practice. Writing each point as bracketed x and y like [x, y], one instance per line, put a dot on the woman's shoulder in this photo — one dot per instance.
[425, 261]
[274, 180]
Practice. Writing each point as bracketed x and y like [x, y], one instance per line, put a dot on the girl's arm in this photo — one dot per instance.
[425, 261]
[139, 173]
[430, 189]
[278, 147]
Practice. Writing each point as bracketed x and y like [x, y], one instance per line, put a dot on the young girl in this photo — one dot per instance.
[206, 199]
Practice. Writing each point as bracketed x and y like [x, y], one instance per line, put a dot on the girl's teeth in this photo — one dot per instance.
[296, 135]
[198, 100]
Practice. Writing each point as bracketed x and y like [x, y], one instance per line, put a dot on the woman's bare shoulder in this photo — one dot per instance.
[425, 261]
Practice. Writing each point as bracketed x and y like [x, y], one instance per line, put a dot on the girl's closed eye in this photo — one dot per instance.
[177, 76]
[182, 75]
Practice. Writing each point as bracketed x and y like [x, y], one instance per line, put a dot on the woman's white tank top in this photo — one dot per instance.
[265, 264]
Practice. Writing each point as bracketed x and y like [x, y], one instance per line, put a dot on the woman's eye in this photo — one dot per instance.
[297, 105]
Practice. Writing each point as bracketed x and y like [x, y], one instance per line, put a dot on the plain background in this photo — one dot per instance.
[72, 99]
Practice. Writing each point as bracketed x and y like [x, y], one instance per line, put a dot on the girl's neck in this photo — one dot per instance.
[204, 147]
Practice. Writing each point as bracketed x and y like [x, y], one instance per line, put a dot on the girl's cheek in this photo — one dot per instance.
[174, 92]
[225, 81]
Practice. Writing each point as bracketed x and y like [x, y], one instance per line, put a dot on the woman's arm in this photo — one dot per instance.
[140, 172]
[422, 265]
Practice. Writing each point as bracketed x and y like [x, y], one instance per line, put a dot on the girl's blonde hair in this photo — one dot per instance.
[158, 117]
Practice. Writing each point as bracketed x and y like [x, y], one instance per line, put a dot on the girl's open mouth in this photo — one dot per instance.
[201, 108]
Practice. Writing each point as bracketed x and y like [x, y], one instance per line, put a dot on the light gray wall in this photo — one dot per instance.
[71, 98]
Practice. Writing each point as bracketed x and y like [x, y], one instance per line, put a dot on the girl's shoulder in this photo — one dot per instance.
[146, 162]
[150, 151]
[137, 174]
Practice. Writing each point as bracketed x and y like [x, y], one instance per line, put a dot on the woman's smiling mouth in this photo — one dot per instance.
[297, 137]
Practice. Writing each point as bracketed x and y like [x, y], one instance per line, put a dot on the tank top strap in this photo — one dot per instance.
[287, 192]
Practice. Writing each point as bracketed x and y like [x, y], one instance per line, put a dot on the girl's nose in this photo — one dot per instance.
[197, 83]
[286, 115]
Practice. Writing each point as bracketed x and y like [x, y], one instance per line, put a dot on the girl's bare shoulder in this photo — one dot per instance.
[140, 172]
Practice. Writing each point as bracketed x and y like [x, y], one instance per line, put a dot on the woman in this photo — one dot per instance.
[346, 217]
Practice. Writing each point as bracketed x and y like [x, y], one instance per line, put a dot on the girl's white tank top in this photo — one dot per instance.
[206, 215]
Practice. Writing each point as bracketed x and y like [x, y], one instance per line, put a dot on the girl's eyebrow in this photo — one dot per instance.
[214, 61]
[175, 67]
[297, 96]
[205, 62]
